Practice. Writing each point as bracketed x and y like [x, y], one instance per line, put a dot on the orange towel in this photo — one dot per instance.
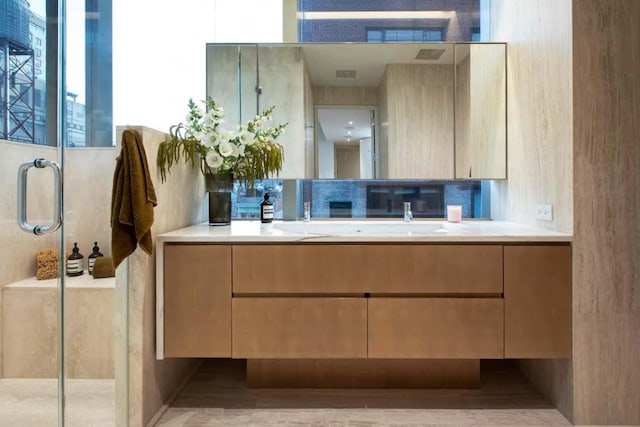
[132, 200]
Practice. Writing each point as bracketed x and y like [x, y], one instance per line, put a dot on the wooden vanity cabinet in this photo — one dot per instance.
[197, 300]
[341, 301]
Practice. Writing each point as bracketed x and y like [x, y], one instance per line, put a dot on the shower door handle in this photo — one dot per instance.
[39, 230]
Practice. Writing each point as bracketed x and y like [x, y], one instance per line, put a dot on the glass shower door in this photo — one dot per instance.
[58, 332]
[95, 347]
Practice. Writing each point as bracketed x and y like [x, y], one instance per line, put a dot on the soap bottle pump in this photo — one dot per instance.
[266, 210]
[75, 262]
[92, 258]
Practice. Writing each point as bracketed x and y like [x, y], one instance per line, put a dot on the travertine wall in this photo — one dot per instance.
[180, 203]
[540, 138]
[539, 111]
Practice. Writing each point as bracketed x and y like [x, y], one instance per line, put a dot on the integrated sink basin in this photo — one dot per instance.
[340, 228]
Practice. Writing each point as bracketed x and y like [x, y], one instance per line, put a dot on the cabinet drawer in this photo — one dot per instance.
[438, 328]
[197, 300]
[299, 328]
[367, 268]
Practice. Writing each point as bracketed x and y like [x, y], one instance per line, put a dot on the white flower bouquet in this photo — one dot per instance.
[247, 153]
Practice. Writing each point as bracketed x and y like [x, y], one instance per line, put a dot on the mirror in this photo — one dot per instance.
[481, 111]
[363, 110]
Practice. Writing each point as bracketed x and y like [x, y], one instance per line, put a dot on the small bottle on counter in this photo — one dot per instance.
[266, 210]
[92, 258]
[75, 262]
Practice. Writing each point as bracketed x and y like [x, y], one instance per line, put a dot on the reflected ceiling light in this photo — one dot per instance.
[350, 122]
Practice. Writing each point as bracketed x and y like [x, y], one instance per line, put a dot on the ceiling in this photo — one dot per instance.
[336, 127]
[368, 59]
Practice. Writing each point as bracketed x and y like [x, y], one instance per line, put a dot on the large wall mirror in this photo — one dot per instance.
[372, 111]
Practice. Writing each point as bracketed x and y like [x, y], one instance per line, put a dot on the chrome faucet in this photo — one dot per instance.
[307, 211]
[408, 215]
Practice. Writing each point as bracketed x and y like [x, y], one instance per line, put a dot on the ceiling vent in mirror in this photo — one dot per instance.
[429, 54]
[345, 74]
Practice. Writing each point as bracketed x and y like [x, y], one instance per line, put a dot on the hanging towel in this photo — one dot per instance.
[132, 200]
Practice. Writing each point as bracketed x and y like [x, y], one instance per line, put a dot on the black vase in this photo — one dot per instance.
[219, 186]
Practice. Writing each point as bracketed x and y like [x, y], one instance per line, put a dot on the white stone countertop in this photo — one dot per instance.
[345, 231]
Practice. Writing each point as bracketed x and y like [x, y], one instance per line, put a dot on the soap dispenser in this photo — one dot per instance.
[266, 210]
[75, 262]
[92, 258]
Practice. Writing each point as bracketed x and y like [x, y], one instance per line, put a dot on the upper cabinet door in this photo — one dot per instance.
[481, 111]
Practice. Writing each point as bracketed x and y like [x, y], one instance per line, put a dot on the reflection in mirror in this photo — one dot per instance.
[481, 111]
[407, 88]
[345, 141]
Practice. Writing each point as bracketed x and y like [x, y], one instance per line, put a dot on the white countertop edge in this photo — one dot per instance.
[254, 232]
[362, 239]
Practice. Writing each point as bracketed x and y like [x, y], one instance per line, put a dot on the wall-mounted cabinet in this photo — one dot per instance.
[412, 110]
[481, 111]
[368, 300]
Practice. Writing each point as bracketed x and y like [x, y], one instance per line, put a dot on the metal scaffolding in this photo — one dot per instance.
[17, 92]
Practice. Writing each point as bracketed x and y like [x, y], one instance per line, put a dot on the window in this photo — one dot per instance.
[404, 35]
[385, 198]
[245, 202]
[387, 21]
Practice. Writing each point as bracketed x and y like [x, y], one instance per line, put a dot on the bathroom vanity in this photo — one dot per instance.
[363, 291]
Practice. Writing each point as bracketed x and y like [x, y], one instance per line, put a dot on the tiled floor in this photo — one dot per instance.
[34, 403]
[217, 396]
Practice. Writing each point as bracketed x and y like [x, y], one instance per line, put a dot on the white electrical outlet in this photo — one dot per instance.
[544, 212]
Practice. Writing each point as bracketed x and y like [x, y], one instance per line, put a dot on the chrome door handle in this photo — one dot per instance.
[22, 197]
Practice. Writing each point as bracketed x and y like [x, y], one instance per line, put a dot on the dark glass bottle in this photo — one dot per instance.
[75, 262]
[266, 210]
[92, 258]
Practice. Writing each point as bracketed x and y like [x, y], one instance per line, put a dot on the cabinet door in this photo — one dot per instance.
[442, 269]
[537, 301]
[435, 328]
[299, 328]
[197, 300]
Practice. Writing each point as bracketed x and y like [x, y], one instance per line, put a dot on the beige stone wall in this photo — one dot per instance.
[539, 111]
[540, 139]
[181, 202]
